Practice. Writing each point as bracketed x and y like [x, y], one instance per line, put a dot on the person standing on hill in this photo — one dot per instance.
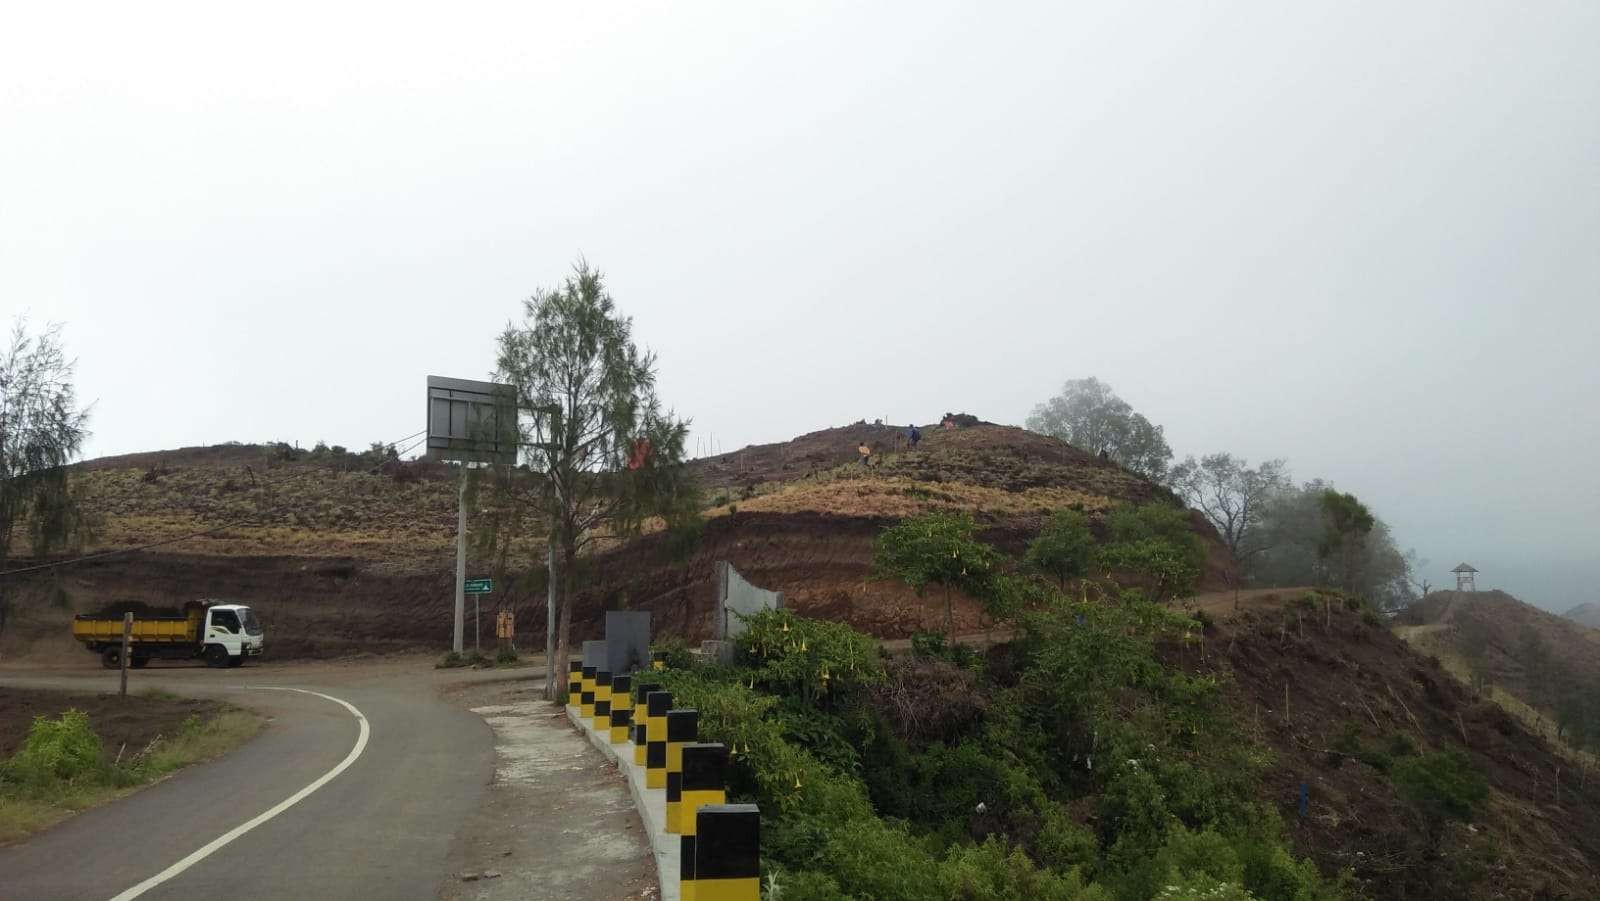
[913, 435]
[865, 452]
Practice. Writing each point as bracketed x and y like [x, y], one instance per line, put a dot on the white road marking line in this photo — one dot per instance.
[220, 841]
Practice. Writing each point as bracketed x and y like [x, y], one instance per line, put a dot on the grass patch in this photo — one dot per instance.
[63, 767]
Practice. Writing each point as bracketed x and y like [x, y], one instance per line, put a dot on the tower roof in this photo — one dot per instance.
[1464, 568]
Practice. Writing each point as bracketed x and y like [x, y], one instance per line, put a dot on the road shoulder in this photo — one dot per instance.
[557, 822]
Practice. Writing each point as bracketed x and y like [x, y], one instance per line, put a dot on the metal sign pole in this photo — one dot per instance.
[461, 559]
[477, 636]
[550, 620]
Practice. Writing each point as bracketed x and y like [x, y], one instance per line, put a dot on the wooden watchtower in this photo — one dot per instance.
[1464, 574]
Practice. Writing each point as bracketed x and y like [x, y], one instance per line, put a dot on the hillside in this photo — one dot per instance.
[1546, 662]
[342, 554]
[1585, 615]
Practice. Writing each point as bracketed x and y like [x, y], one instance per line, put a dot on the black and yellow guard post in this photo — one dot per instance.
[586, 695]
[683, 727]
[704, 768]
[621, 708]
[575, 683]
[640, 693]
[658, 660]
[602, 702]
[657, 703]
[727, 854]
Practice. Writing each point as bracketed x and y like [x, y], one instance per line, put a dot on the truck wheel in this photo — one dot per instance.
[236, 661]
[111, 658]
[216, 655]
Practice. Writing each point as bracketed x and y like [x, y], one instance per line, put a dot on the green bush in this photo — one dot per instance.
[993, 871]
[808, 659]
[676, 651]
[1442, 786]
[63, 749]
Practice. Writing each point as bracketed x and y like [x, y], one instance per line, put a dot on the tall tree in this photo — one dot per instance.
[597, 434]
[1089, 415]
[1295, 535]
[1233, 495]
[1346, 524]
[1063, 549]
[41, 431]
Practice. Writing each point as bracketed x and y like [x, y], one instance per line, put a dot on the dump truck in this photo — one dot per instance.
[219, 633]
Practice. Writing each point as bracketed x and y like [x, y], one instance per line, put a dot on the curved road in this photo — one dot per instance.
[384, 827]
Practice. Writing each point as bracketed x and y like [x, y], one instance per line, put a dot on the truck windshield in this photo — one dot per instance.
[252, 626]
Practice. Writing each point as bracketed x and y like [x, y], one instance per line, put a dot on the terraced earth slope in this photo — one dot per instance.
[340, 556]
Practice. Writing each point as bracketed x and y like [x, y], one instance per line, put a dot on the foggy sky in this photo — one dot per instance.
[1361, 236]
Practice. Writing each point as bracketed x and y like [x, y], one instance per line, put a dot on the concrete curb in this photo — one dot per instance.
[651, 804]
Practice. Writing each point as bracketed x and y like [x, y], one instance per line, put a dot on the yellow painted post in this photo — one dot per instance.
[621, 708]
[575, 683]
[602, 702]
[657, 703]
[640, 693]
[727, 854]
[658, 660]
[586, 697]
[683, 727]
[704, 768]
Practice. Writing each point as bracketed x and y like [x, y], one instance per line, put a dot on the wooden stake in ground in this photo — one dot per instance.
[127, 635]
[1286, 702]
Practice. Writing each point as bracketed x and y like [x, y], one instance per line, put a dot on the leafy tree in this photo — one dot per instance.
[1442, 786]
[1088, 415]
[1064, 548]
[573, 363]
[1233, 496]
[1294, 531]
[41, 431]
[939, 549]
[1155, 542]
[1346, 524]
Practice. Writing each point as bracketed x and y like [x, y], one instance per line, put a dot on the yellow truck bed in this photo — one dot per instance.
[164, 630]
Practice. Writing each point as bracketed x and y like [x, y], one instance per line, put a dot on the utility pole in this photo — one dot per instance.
[461, 559]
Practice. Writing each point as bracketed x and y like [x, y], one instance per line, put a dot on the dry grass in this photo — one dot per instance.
[901, 497]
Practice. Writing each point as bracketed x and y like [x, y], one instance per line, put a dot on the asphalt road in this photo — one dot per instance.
[382, 828]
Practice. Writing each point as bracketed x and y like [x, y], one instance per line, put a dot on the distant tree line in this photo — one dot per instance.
[1279, 532]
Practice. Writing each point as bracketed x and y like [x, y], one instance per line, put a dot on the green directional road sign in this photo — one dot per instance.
[479, 586]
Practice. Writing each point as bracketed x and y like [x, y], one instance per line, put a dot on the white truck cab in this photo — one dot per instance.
[235, 630]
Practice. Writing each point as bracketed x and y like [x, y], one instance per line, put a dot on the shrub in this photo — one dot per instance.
[64, 748]
[993, 871]
[808, 658]
[883, 862]
[505, 656]
[1442, 786]
[678, 655]
[924, 699]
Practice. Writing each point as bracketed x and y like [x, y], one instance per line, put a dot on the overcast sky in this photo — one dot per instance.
[1361, 236]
